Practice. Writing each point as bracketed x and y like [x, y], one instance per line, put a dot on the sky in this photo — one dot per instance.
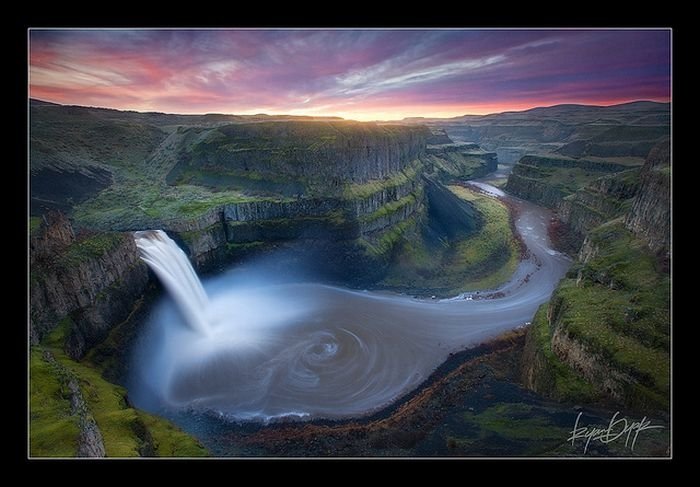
[355, 74]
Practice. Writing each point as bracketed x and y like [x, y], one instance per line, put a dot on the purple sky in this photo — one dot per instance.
[359, 74]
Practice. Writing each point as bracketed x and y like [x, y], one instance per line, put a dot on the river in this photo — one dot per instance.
[309, 350]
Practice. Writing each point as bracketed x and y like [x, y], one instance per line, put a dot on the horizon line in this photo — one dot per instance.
[646, 100]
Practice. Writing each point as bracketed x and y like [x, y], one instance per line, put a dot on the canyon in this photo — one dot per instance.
[354, 202]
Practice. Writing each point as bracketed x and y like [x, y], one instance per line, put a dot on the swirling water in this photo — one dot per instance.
[308, 350]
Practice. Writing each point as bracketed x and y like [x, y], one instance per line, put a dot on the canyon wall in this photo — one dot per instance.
[332, 152]
[649, 216]
[584, 194]
[606, 330]
[357, 218]
[359, 226]
[459, 161]
[342, 193]
[91, 280]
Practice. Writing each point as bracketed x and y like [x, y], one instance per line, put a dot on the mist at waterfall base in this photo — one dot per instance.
[279, 346]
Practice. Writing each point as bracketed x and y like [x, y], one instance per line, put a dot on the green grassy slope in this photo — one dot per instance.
[617, 305]
[479, 261]
[127, 432]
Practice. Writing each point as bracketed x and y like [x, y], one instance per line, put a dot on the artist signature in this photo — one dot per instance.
[618, 428]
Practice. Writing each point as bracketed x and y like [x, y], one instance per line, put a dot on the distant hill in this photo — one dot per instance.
[628, 130]
[624, 112]
[170, 119]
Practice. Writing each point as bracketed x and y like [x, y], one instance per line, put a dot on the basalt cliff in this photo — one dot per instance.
[225, 187]
[606, 331]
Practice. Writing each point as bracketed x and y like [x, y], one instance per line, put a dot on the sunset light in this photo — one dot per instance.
[349, 243]
[357, 74]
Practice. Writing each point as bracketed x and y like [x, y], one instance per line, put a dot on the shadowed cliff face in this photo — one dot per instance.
[649, 216]
[450, 216]
[74, 151]
[61, 188]
[92, 281]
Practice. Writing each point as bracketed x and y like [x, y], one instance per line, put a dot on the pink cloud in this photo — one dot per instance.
[326, 72]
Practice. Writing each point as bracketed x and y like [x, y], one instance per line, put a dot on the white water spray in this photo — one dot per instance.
[174, 270]
[257, 350]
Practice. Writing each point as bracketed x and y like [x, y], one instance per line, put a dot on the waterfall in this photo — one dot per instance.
[174, 270]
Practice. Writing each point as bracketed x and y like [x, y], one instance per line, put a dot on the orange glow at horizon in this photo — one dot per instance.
[354, 74]
[384, 113]
[367, 114]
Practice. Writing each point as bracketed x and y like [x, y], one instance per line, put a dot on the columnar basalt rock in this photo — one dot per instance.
[93, 279]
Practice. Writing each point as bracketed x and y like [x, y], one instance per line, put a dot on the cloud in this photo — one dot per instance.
[392, 75]
[333, 71]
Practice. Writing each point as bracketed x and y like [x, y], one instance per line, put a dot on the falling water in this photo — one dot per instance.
[174, 270]
[306, 350]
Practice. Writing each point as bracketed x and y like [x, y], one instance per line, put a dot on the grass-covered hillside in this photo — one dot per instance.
[76, 153]
[73, 408]
[548, 179]
[218, 182]
[111, 170]
[427, 262]
[606, 332]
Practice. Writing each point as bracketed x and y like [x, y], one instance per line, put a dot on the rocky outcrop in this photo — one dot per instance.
[583, 193]
[54, 234]
[450, 215]
[364, 212]
[562, 162]
[448, 147]
[330, 152]
[368, 176]
[363, 206]
[589, 251]
[560, 366]
[649, 216]
[93, 279]
[90, 441]
[606, 328]
[604, 199]
[361, 223]
[535, 373]
[397, 211]
[353, 214]
[533, 189]
[590, 365]
[459, 161]
[438, 136]
[570, 360]
[541, 369]
[272, 210]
